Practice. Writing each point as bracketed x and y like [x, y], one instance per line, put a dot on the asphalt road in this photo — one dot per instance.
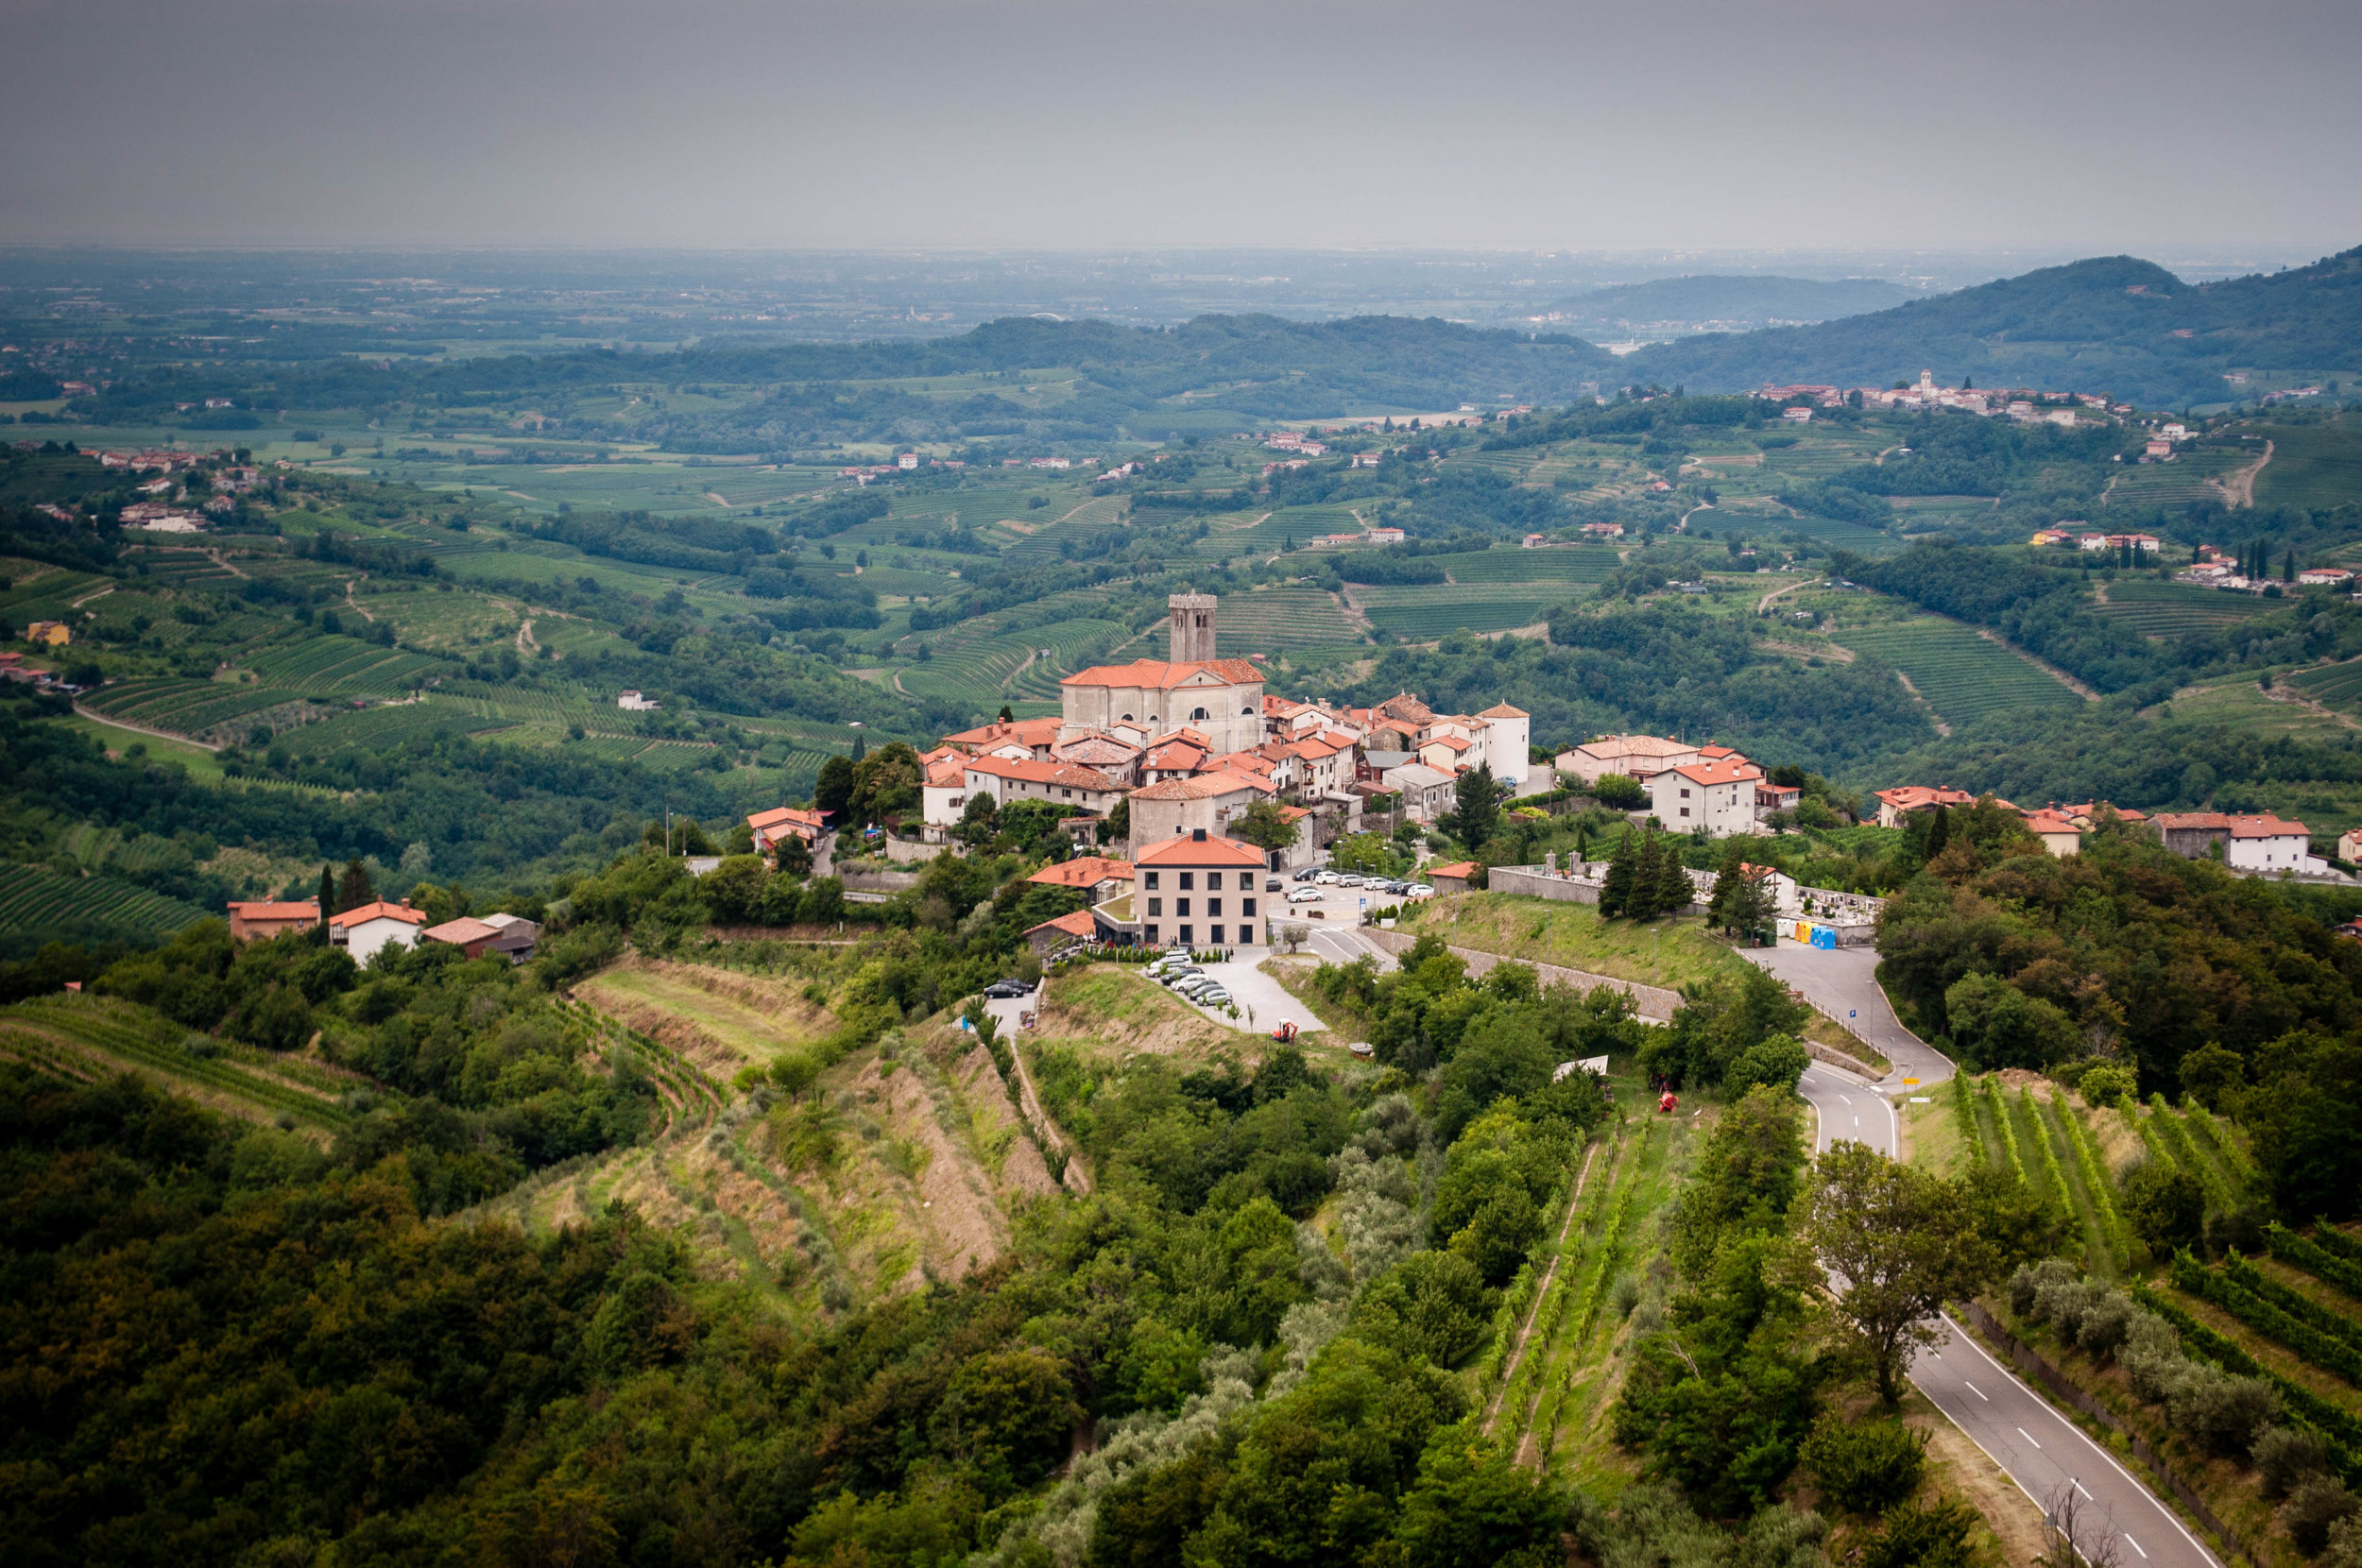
[2047, 1455]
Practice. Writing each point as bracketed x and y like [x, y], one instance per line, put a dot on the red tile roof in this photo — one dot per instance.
[1462, 869]
[1210, 851]
[1073, 775]
[1204, 786]
[1732, 769]
[379, 911]
[308, 909]
[1079, 923]
[1084, 871]
[461, 931]
[1147, 672]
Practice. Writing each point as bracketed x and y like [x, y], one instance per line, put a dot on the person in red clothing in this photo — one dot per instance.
[1668, 1101]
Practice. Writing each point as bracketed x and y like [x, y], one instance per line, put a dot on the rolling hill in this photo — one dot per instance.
[1712, 302]
[2112, 323]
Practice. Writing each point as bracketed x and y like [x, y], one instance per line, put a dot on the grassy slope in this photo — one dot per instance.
[1659, 952]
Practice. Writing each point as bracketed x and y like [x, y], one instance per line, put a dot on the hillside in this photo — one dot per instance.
[2116, 324]
[1665, 307]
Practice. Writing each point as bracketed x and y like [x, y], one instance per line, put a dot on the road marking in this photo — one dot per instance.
[2029, 1437]
[1974, 1389]
[2136, 1545]
[2079, 1485]
[1857, 1121]
[1849, 1099]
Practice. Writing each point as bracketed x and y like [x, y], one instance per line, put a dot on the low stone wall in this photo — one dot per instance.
[1650, 1001]
[1533, 881]
[880, 881]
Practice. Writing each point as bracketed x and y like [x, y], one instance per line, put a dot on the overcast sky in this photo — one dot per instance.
[2102, 126]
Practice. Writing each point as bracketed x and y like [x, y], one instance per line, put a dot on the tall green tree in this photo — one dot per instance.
[1266, 825]
[355, 889]
[1476, 813]
[1728, 879]
[1648, 881]
[834, 791]
[327, 897]
[1616, 888]
[1673, 889]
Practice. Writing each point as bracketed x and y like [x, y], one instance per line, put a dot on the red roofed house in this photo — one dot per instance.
[1451, 879]
[2266, 843]
[1900, 802]
[2057, 831]
[1199, 891]
[362, 931]
[1716, 794]
[1095, 876]
[477, 937]
[770, 826]
[1050, 935]
[1032, 736]
[1059, 783]
[1202, 803]
[253, 920]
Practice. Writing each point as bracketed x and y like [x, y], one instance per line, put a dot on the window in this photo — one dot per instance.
[1155, 906]
[1068, 793]
[1213, 906]
[1246, 907]
[1189, 880]
[1151, 936]
[1181, 905]
[1213, 882]
[1151, 881]
[1213, 934]
[1684, 810]
[1197, 713]
[1685, 796]
[1127, 718]
[1187, 935]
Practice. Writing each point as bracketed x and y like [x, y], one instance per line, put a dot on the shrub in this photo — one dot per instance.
[2105, 1323]
[1866, 1467]
[2220, 1412]
[2285, 1457]
[2313, 1508]
[1923, 1538]
[2109, 1086]
[2345, 1543]
[2166, 1207]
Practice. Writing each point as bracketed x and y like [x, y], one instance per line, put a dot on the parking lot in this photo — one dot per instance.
[1336, 908]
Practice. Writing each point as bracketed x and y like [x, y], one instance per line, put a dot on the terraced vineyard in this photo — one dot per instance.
[987, 672]
[1963, 677]
[2338, 685]
[2184, 479]
[1430, 610]
[1278, 618]
[2175, 609]
[90, 1038]
[36, 900]
[185, 706]
[1582, 564]
[334, 664]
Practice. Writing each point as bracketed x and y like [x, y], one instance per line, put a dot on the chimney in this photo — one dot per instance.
[1197, 835]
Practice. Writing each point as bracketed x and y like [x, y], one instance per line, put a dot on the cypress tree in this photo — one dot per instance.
[328, 894]
[1646, 879]
[1720, 908]
[1939, 833]
[1616, 889]
[1674, 889]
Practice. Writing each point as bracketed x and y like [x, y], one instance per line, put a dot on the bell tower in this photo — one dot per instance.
[1192, 624]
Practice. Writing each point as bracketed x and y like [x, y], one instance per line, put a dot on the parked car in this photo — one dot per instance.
[1273, 884]
[1176, 976]
[1304, 895]
[1327, 877]
[1418, 889]
[1307, 874]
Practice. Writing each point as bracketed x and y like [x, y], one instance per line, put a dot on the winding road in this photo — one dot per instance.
[2047, 1455]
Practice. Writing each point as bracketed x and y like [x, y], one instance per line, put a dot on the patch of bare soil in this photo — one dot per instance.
[2048, 669]
[1830, 650]
[2237, 488]
[1941, 729]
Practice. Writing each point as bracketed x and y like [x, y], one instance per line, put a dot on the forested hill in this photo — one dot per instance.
[2116, 323]
[1731, 302]
[1212, 374]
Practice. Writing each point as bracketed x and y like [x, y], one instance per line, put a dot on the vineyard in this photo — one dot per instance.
[2338, 685]
[1278, 619]
[185, 706]
[90, 1038]
[1963, 677]
[39, 902]
[344, 664]
[1430, 611]
[1584, 564]
[986, 671]
[2176, 609]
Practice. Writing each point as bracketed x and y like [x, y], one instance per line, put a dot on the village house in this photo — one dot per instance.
[1097, 877]
[1716, 794]
[2057, 832]
[478, 937]
[632, 702]
[781, 822]
[1202, 803]
[1058, 783]
[1427, 793]
[2325, 576]
[54, 634]
[1199, 891]
[363, 930]
[2260, 843]
[1638, 756]
[254, 920]
[1901, 801]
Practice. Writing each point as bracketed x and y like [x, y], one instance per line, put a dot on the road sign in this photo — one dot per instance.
[1851, 1014]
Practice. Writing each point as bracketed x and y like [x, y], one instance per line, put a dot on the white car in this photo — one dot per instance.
[1419, 890]
[1328, 879]
[1304, 895]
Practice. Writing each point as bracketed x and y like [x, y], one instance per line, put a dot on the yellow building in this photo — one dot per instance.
[57, 634]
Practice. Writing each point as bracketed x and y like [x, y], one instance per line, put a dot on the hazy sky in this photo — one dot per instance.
[2098, 126]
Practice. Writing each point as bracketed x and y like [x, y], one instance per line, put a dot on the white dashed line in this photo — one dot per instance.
[1974, 1389]
[2079, 1485]
[2136, 1545]
[2029, 1436]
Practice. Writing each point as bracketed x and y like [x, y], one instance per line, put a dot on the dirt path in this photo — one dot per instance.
[2046, 668]
[716, 497]
[1806, 650]
[2283, 693]
[1004, 1011]
[222, 561]
[525, 644]
[2237, 488]
[88, 597]
[2100, 591]
[1765, 603]
[1921, 698]
[1517, 1352]
[99, 718]
[1010, 680]
[352, 605]
[1355, 615]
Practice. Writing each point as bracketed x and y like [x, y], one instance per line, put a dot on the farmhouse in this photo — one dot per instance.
[363, 930]
[1717, 794]
[1901, 801]
[254, 919]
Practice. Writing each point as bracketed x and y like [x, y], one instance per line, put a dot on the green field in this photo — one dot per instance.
[96, 1037]
[1582, 564]
[2338, 685]
[2312, 466]
[1963, 677]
